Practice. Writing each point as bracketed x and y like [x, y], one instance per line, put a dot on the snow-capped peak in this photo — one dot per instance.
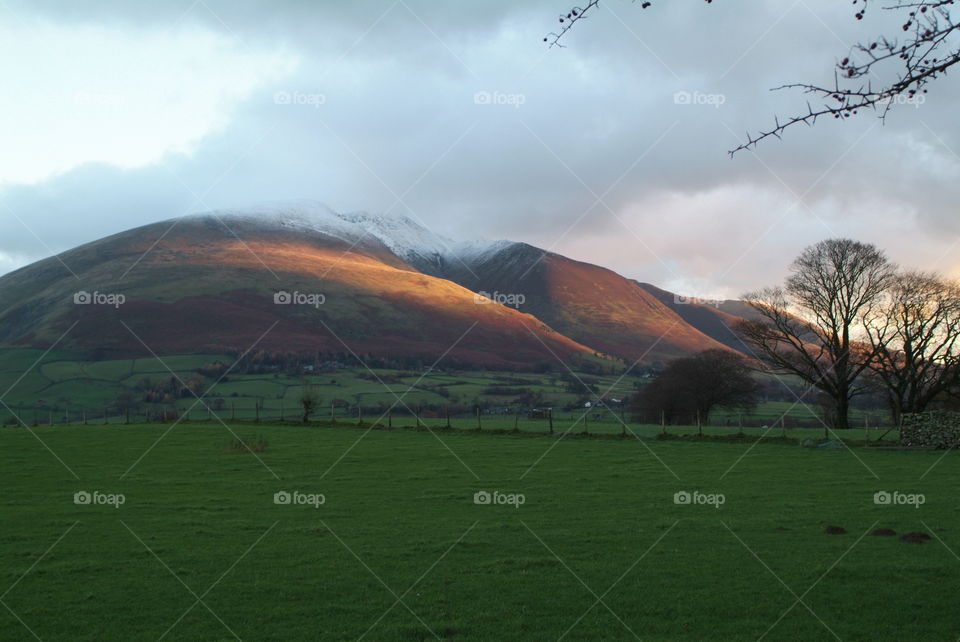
[406, 238]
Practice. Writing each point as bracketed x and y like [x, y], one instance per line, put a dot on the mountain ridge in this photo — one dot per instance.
[390, 287]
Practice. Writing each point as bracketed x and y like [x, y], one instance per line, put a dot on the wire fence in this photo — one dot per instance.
[541, 421]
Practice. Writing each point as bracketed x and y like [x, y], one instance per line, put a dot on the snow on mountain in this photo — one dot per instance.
[309, 216]
[403, 236]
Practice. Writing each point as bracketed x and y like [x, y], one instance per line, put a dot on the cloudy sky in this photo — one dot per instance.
[115, 114]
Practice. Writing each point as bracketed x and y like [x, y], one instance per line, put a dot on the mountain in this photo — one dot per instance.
[209, 282]
[299, 277]
[716, 319]
[588, 303]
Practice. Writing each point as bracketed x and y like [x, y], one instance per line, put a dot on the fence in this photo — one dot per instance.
[545, 421]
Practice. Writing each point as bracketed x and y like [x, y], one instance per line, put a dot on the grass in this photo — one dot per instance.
[399, 520]
[49, 387]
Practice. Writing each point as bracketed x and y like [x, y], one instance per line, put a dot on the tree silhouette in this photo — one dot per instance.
[915, 334]
[807, 327]
[695, 385]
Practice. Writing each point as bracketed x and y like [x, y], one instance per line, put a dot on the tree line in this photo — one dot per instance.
[847, 322]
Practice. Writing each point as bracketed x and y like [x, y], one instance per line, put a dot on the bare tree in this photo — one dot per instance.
[928, 48]
[309, 400]
[807, 327]
[914, 336]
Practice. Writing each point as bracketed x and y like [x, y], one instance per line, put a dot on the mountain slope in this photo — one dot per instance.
[382, 286]
[714, 319]
[208, 282]
[588, 303]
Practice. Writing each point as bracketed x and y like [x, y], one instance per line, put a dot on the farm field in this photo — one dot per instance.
[400, 550]
[60, 388]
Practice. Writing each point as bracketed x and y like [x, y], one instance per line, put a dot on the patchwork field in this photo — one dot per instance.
[59, 388]
[400, 550]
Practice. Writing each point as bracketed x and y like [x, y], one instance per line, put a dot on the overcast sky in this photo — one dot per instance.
[114, 114]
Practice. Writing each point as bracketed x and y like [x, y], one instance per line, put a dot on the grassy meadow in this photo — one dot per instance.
[583, 539]
[61, 388]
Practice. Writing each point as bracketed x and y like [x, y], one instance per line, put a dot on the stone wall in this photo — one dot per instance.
[937, 429]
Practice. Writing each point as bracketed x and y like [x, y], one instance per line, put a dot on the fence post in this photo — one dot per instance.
[550, 418]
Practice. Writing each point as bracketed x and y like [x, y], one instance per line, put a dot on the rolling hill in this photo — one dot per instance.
[302, 278]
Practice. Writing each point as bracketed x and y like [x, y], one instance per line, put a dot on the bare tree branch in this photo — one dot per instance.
[929, 48]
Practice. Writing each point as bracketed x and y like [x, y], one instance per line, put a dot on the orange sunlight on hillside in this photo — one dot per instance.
[368, 275]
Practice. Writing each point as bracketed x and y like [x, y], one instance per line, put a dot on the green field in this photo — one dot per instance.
[399, 550]
[61, 388]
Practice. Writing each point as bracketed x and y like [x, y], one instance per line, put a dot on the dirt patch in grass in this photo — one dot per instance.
[247, 444]
[915, 537]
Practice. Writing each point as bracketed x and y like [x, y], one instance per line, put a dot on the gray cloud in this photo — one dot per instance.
[598, 117]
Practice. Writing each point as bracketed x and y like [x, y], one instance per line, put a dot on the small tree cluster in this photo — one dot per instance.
[694, 386]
